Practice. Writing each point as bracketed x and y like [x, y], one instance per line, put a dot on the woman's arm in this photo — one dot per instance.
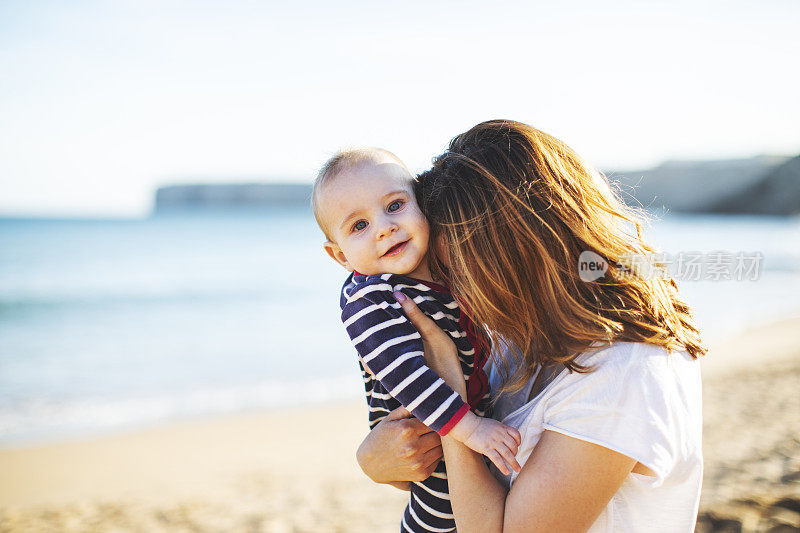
[399, 449]
[563, 486]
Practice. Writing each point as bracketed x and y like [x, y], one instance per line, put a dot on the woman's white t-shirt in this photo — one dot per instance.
[641, 401]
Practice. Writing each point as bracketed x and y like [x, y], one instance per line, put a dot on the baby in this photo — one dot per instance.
[364, 202]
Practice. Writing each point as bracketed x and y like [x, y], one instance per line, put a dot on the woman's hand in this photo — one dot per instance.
[399, 449]
[440, 350]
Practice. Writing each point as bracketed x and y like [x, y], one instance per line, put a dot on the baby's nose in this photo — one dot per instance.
[387, 229]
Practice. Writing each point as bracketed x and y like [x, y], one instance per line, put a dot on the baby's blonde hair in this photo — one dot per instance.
[340, 161]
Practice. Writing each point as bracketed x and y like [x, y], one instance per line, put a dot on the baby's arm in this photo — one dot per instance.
[391, 349]
[491, 438]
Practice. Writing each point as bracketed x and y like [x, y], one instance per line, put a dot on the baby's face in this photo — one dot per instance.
[374, 221]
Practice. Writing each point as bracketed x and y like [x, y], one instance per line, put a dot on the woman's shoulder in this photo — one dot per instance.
[616, 356]
[631, 373]
[638, 399]
[619, 372]
[635, 357]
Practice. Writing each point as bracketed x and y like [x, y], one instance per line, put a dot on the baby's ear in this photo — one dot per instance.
[337, 254]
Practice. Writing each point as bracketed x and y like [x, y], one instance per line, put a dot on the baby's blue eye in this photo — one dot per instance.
[361, 224]
[394, 206]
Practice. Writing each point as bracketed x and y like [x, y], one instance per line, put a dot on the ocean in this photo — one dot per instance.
[117, 324]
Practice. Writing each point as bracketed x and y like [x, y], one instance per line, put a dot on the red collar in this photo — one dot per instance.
[429, 284]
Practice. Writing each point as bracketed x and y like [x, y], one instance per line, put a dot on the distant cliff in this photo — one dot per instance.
[777, 193]
[764, 185]
[768, 185]
[232, 195]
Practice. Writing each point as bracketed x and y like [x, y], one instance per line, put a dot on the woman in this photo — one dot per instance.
[606, 392]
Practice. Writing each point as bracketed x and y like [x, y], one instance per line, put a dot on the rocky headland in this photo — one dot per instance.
[762, 185]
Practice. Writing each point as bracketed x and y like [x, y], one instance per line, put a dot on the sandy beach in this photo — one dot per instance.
[295, 471]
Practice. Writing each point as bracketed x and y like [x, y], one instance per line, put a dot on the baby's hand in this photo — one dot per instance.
[496, 441]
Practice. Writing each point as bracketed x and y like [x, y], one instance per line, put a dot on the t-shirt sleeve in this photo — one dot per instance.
[627, 404]
[390, 348]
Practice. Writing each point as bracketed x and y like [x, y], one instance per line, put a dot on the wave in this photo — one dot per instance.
[41, 419]
[21, 301]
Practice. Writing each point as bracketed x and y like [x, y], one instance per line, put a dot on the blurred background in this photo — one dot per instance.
[159, 263]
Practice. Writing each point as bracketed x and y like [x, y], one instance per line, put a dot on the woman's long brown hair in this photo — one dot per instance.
[512, 209]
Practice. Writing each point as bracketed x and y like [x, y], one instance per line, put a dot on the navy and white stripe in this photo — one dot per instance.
[394, 370]
[390, 348]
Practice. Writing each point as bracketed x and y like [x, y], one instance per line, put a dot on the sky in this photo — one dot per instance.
[102, 102]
